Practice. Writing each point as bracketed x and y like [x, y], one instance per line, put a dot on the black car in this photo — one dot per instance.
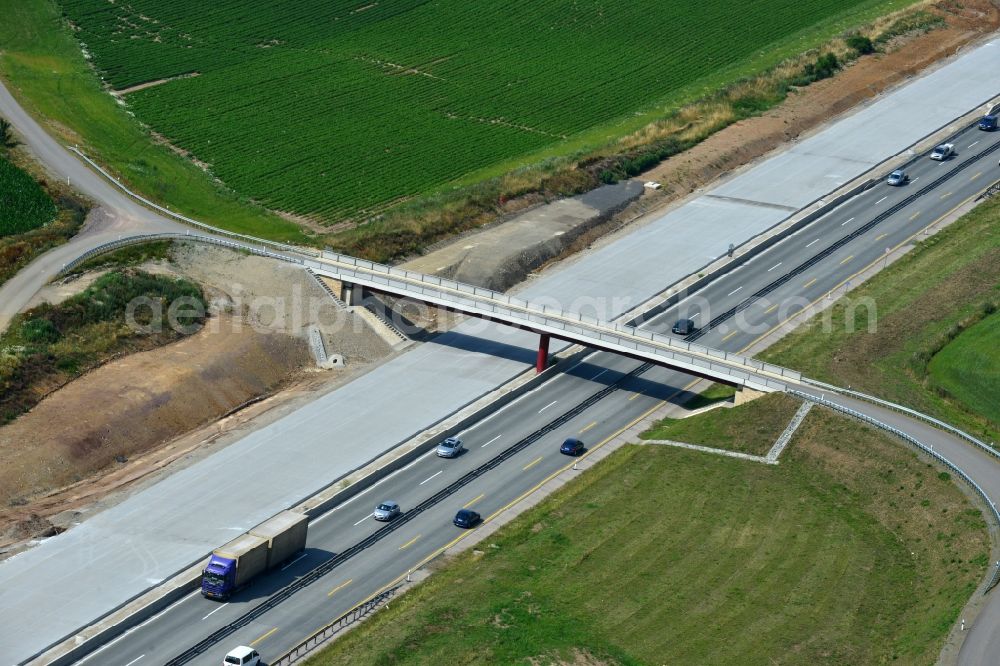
[571, 447]
[683, 327]
[467, 518]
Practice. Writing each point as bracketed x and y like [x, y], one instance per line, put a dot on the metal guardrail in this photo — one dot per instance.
[187, 220]
[928, 450]
[990, 191]
[149, 238]
[357, 613]
[909, 412]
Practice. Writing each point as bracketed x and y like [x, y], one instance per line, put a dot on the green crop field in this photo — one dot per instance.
[24, 205]
[338, 109]
[968, 368]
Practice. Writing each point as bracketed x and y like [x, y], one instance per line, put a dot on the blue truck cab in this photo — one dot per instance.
[988, 123]
[218, 580]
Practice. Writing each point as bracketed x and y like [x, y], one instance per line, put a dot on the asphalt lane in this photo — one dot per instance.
[194, 618]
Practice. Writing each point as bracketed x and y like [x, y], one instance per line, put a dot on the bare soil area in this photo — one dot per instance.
[89, 443]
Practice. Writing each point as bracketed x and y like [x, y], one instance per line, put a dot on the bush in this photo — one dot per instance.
[861, 44]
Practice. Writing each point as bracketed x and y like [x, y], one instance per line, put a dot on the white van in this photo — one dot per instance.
[242, 656]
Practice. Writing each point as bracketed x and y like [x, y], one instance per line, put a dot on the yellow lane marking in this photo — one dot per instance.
[841, 263]
[810, 283]
[881, 237]
[729, 336]
[946, 195]
[474, 501]
[915, 216]
[254, 642]
[771, 309]
[977, 175]
[409, 543]
[521, 498]
[634, 396]
[533, 463]
[340, 587]
[588, 427]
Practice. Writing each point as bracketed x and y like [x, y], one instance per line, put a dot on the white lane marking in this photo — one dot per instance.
[882, 199]
[599, 374]
[773, 267]
[364, 519]
[135, 660]
[735, 290]
[430, 477]
[215, 611]
[695, 316]
[973, 143]
[301, 556]
[547, 406]
[196, 594]
[915, 179]
[813, 243]
[491, 441]
[848, 222]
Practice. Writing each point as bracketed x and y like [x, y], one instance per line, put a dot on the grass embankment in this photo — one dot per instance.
[749, 428]
[925, 301]
[49, 345]
[43, 61]
[35, 215]
[42, 65]
[851, 551]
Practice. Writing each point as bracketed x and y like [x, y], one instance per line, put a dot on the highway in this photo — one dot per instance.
[48, 592]
[593, 400]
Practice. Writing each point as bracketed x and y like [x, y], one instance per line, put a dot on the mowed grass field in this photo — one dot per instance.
[850, 551]
[751, 428]
[338, 109]
[936, 346]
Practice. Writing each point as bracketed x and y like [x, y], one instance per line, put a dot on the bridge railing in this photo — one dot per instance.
[446, 291]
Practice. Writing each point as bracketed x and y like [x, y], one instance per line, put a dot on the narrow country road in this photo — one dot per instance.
[113, 215]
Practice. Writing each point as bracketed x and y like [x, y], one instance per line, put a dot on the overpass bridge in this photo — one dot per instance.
[358, 275]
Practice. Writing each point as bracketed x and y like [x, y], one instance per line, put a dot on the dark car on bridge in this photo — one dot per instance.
[467, 518]
[684, 327]
[572, 447]
[989, 123]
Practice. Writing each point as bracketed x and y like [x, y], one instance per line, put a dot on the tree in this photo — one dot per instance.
[7, 139]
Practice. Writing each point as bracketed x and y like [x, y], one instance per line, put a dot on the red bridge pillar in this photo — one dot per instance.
[543, 353]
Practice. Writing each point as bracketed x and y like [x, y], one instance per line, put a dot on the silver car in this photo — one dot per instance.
[386, 511]
[449, 448]
[897, 178]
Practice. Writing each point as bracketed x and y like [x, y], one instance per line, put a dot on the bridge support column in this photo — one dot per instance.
[745, 395]
[352, 294]
[542, 361]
